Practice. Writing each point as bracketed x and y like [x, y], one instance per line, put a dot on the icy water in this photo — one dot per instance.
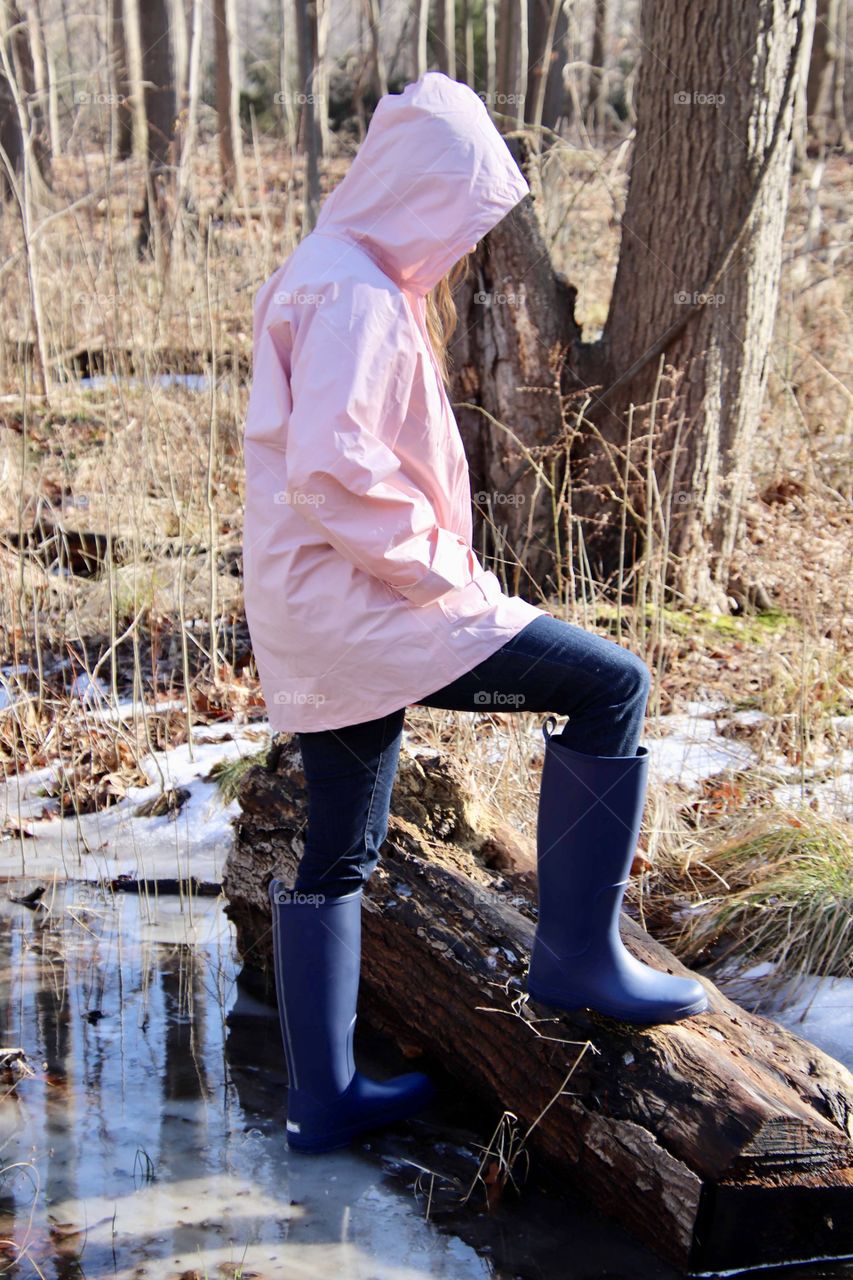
[144, 1136]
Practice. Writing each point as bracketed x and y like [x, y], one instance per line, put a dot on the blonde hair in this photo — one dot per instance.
[441, 316]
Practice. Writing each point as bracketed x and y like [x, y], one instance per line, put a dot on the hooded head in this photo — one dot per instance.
[432, 176]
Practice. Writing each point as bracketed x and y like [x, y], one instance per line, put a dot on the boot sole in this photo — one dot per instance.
[573, 1004]
[331, 1140]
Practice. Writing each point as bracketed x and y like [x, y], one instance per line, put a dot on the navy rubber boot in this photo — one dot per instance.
[590, 809]
[317, 957]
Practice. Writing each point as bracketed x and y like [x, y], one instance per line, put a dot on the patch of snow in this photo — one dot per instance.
[707, 707]
[818, 1009]
[691, 749]
[749, 716]
[116, 841]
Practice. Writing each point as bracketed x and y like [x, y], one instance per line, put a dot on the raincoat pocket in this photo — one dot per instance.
[474, 598]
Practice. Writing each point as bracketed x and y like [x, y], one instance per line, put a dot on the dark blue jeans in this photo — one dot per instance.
[550, 666]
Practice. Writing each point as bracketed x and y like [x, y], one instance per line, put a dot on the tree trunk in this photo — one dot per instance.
[377, 61]
[445, 37]
[11, 139]
[123, 114]
[466, 71]
[133, 48]
[722, 1141]
[824, 126]
[160, 118]
[285, 92]
[697, 281]
[35, 105]
[596, 94]
[311, 130]
[420, 23]
[228, 99]
[489, 50]
[180, 45]
[548, 27]
[510, 380]
[185, 200]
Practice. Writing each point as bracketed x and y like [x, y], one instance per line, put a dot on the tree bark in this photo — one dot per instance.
[420, 23]
[548, 27]
[596, 93]
[377, 60]
[722, 1141]
[826, 125]
[11, 139]
[34, 104]
[160, 118]
[445, 37]
[697, 281]
[123, 114]
[510, 385]
[228, 99]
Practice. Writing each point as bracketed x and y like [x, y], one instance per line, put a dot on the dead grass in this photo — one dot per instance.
[776, 888]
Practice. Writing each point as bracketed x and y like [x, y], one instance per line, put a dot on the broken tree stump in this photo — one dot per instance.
[722, 1141]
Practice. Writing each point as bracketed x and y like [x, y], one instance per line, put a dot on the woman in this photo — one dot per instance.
[364, 596]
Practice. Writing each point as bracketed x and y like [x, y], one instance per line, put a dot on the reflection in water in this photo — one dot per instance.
[146, 1138]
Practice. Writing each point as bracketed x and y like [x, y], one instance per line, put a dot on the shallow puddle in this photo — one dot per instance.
[143, 1133]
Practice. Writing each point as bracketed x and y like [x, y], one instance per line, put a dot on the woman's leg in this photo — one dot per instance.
[317, 941]
[555, 666]
[349, 774]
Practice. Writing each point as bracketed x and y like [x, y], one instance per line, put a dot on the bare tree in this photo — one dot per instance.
[420, 15]
[228, 98]
[377, 62]
[133, 49]
[160, 117]
[11, 138]
[123, 112]
[467, 69]
[597, 81]
[490, 49]
[312, 28]
[445, 37]
[189, 121]
[544, 100]
[697, 279]
[48, 90]
[178, 19]
[824, 107]
[285, 96]
[33, 103]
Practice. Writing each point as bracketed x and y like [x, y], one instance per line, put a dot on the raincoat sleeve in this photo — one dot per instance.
[353, 363]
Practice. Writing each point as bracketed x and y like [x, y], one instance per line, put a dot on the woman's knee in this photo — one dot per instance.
[635, 678]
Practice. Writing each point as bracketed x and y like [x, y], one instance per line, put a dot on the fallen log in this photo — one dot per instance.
[723, 1141]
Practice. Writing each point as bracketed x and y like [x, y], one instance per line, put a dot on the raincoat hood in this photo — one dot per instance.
[432, 176]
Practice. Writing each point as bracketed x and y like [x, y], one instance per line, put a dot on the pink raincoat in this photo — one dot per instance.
[362, 591]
